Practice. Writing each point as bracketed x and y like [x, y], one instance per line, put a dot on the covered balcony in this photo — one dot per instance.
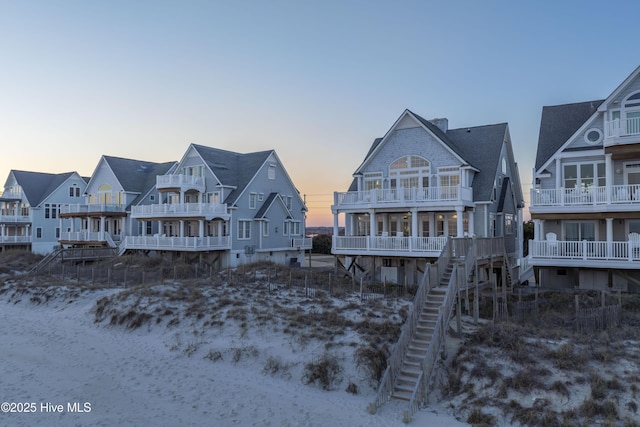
[14, 216]
[97, 209]
[431, 197]
[613, 198]
[389, 246]
[180, 183]
[622, 131]
[180, 210]
[585, 253]
[87, 238]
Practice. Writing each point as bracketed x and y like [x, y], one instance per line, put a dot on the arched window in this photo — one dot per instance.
[409, 172]
[104, 194]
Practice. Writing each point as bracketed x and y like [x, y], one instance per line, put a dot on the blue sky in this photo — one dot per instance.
[316, 81]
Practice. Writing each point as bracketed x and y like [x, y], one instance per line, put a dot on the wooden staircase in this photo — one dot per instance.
[411, 369]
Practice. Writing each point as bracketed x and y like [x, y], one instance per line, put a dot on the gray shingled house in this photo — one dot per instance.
[30, 206]
[585, 201]
[421, 184]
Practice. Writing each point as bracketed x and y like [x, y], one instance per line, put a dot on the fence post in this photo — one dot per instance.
[330, 290]
[143, 277]
[175, 272]
[93, 275]
[361, 288]
[384, 287]
[108, 276]
[306, 289]
[62, 265]
[77, 273]
[290, 278]
[125, 276]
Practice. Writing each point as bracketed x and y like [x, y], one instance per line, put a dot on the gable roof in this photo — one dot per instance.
[558, 124]
[136, 176]
[232, 169]
[478, 146]
[483, 144]
[267, 204]
[36, 186]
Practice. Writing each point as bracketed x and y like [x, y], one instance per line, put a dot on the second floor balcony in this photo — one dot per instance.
[174, 243]
[15, 216]
[585, 253]
[180, 182]
[15, 239]
[96, 209]
[181, 210]
[389, 246]
[402, 197]
[613, 198]
[622, 131]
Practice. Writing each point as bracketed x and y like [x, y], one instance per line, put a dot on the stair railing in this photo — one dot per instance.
[431, 355]
[46, 261]
[394, 362]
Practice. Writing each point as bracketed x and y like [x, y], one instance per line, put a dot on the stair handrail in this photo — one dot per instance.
[46, 260]
[430, 358]
[394, 362]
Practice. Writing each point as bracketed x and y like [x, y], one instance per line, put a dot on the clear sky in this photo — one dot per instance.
[315, 80]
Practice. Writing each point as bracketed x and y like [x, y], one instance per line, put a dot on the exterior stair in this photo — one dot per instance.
[406, 381]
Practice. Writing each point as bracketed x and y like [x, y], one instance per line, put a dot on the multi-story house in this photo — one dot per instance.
[421, 184]
[229, 207]
[30, 208]
[101, 217]
[585, 201]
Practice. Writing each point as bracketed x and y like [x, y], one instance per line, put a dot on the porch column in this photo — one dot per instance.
[2, 232]
[335, 224]
[459, 223]
[609, 237]
[558, 173]
[536, 229]
[414, 222]
[201, 226]
[385, 223]
[608, 171]
[432, 224]
[372, 223]
[102, 227]
[472, 226]
[160, 228]
[181, 228]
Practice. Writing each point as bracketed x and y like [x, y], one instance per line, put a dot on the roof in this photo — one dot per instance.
[232, 169]
[136, 176]
[36, 186]
[558, 123]
[479, 146]
[267, 204]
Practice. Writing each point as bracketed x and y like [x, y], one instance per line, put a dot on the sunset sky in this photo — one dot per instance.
[316, 81]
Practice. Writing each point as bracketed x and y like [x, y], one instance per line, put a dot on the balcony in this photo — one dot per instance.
[180, 183]
[192, 244]
[622, 131]
[389, 246]
[617, 198]
[13, 217]
[404, 197]
[15, 239]
[207, 211]
[302, 243]
[99, 209]
[87, 237]
[591, 254]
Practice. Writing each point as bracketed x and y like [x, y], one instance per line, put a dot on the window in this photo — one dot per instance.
[51, 211]
[265, 228]
[39, 233]
[593, 136]
[285, 228]
[372, 180]
[271, 173]
[244, 230]
[295, 228]
[57, 232]
[252, 200]
[288, 200]
[449, 176]
[410, 172]
[71, 192]
[508, 224]
[260, 197]
[584, 175]
[578, 231]
[152, 198]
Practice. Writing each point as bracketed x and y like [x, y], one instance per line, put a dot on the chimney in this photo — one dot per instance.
[442, 123]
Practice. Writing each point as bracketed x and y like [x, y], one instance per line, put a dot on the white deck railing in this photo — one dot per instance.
[91, 208]
[13, 216]
[15, 239]
[622, 127]
[398, 244]
[87, 236]
[177, 243]
[164, 181]
[302, 243]
[179, 210]
[401, 195]
[584, 250]
[616, 194]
